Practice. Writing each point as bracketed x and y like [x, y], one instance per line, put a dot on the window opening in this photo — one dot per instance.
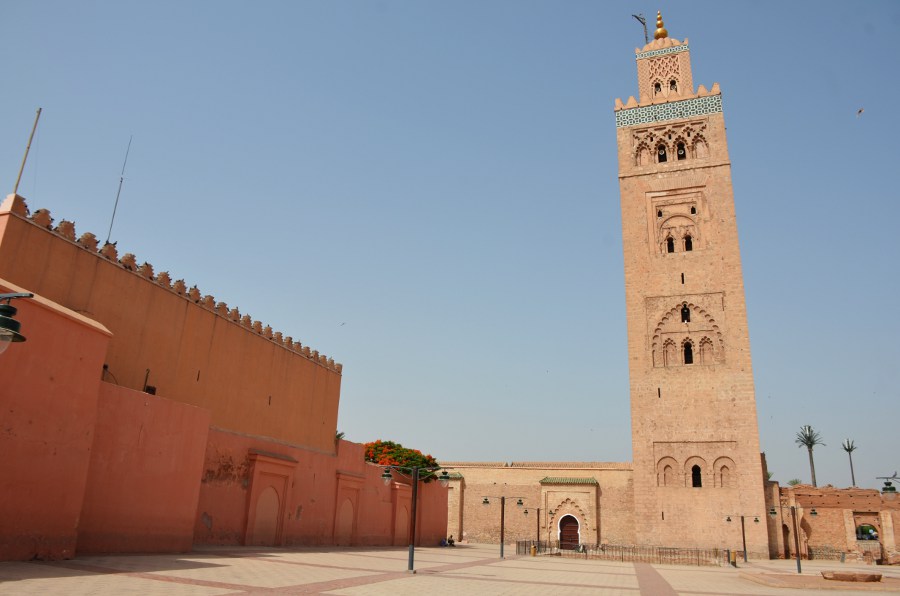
[659, 392]
[657, 88]
[688, 353]
[688, 243]
[661, 153]
[673, 86]
[681, 152]
[659, 213]
[696, 480]
[685, 314]
[693, 211]
[670, 244]
[682, 279]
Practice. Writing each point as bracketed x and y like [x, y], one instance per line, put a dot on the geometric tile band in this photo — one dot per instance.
[652, 53]
[686, 108]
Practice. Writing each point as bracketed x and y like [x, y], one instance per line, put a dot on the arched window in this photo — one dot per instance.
[667, 476]
[725, 477]
[688, 353]
[670, 353]
[659, 213]
[657, 88]
[673, 85]
[685, 314]
[696, 479]
[693, 211]
[688, 243]
[681, 152]
[670, 244]
[706, 351]
[661, 155]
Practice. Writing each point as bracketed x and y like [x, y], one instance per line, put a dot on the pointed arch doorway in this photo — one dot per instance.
[569, 531]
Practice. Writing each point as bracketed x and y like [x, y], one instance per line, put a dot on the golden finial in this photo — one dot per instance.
[660, 29]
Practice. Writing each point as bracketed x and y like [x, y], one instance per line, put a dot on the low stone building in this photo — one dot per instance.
[578, 502]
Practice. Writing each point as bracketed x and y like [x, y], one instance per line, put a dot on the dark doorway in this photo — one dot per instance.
[568, 532]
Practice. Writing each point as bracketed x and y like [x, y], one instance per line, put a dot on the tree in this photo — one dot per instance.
[849, 447]
[388, 453]
[793, 482]
[809, 438]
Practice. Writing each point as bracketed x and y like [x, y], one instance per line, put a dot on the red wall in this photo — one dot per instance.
[250, 382]
[247, 480]
[48, 405]
[143, 482]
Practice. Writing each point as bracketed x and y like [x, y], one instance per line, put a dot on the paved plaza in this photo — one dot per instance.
[466, 569]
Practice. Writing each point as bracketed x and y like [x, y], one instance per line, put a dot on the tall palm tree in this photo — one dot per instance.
[809, 438]
[849, 447]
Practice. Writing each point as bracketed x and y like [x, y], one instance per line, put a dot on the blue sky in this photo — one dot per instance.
[427, 192]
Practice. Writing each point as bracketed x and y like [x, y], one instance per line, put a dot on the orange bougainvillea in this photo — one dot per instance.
[388, 453]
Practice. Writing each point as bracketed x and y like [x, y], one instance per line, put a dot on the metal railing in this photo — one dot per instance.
[640, 554]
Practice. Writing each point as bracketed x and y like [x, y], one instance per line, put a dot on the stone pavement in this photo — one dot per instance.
[467, 569]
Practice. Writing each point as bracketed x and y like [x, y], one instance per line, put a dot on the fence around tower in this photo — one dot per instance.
[638, 554]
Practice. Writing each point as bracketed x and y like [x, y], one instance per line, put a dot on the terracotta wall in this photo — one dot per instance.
[252, 380]
[48, 400]
[260, 491]
[143, 483]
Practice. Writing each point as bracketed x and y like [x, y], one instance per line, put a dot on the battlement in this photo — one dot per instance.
[16, 205]
[675, 97]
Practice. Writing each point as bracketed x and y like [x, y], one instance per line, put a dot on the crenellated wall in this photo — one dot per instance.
[175, 340]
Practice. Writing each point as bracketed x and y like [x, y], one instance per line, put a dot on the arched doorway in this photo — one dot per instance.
[265, 527]
[343, 533]
[568, 532]
[786, 537]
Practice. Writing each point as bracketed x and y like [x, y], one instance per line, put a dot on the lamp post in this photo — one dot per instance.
[386, 477]
[743, 530]
[487, 501]
[9, 326]
[796, 536]
[537, 518]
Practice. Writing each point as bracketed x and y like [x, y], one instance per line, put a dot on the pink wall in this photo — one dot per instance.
[48, 400]
[143, 483]
[258, 491]
[252, 381]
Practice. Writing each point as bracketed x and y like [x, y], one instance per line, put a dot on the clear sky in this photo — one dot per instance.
[427, 192]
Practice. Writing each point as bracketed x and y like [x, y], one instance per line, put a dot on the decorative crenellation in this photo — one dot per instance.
[662, 52]
[88, 241]
[670, 110]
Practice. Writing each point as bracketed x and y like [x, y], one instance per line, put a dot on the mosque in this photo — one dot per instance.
[698, 479]
[142, 415]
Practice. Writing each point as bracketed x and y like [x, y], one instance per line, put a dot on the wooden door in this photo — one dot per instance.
[568, 532]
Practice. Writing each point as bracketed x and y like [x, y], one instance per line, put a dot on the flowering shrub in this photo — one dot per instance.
[388, 453]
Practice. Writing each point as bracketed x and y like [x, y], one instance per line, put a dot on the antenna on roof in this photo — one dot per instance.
[27, 149]
[121, 179]
[640, 18]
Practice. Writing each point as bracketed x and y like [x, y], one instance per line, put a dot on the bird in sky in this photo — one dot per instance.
[859, 112]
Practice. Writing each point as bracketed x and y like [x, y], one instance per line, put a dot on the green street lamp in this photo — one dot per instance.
[519, 503]
[413, 473]
[9, 326]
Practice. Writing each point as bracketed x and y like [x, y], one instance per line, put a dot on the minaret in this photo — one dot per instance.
[693, 411]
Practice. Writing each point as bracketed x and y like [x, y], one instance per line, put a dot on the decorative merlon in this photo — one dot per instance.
[16, 205]
[671, 98]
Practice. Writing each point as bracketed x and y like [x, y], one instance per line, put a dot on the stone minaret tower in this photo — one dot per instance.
[693, 411]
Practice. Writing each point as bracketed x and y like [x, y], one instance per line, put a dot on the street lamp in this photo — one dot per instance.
[9, 326]
[487, 502]
[743, 530]
[538, 520]
[413, 472]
